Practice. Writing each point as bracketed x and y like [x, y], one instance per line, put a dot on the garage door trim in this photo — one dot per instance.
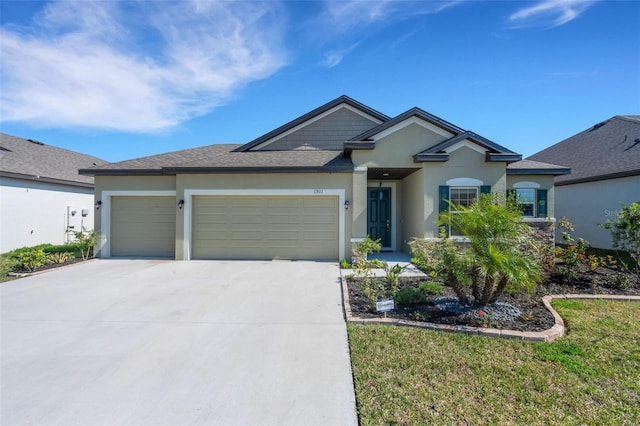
[190, 193]
[104, 244]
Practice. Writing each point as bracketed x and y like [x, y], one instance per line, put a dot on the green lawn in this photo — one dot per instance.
[592, 376]
[6, 266]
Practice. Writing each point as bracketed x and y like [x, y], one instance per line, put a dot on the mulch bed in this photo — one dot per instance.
[50, 266]
[534, 317]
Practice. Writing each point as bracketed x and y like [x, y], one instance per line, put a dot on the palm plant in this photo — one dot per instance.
[501, 252]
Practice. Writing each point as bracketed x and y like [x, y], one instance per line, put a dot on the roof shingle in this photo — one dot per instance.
[24, 158]
[606, 150]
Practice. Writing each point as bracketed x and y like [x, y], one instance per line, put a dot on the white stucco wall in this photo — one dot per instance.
[586, 204]
[34, 212]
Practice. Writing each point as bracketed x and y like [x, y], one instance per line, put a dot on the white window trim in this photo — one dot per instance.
[526, 185]
[320, 192]
[104, 244]
[394, 225]
[477, 188]
[463, 181]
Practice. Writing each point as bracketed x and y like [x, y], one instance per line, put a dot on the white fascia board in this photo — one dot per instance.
[105, 197]
[313, 120]
[413, 120]
[317, 192]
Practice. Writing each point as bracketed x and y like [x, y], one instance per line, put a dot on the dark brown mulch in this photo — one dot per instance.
[534, 317]
[51, 266]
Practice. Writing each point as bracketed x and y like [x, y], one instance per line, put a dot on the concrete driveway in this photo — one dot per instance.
[148, 342]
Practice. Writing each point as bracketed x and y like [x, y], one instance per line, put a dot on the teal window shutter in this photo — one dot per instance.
[485, 189]
[542, 202]
[444, 196]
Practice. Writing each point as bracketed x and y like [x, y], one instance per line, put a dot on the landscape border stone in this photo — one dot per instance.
[549, 335]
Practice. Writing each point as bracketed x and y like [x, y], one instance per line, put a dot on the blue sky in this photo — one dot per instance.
[124, 79]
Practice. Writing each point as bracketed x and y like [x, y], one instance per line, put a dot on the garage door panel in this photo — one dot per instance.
[265, 227]
[143, 226]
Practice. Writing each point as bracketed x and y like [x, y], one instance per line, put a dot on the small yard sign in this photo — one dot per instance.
[384, 305]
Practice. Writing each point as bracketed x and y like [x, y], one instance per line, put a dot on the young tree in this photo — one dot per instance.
[625, 231]
[500, 252]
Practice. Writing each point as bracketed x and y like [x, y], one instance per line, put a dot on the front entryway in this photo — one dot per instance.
[379, 215]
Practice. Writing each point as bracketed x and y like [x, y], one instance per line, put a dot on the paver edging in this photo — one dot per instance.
[549, 335]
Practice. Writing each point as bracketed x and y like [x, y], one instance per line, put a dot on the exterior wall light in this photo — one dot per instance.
[180, 204]
[98, 204]
[346, 205]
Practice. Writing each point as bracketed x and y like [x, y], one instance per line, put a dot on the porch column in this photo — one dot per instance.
[359, 212]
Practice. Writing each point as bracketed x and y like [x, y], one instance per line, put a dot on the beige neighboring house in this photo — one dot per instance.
[605, 174]
[42, 196]
[309, 189]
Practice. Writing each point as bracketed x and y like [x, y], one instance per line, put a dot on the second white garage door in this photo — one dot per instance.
[265, 227]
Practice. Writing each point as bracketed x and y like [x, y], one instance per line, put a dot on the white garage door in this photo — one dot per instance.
[143, 226]
[265, 227]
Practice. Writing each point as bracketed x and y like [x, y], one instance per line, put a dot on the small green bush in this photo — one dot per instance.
[59, 257]
[621, 282]
[368, 246]
[32, 259]
[62, 248]
[409, 295]
[431, 287]
[345, 264]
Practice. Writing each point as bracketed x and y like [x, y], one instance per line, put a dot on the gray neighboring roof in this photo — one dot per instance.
[607, 150]
[530, 167]
[326, 107]
[32, 160]
[223, 158]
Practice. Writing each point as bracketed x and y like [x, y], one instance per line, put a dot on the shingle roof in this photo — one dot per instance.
[606, 150]
[223, 159]
[27, 159]
[536, 167]
[303, 118]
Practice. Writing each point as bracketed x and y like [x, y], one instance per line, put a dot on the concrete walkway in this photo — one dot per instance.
[146, 342]
[392, 259]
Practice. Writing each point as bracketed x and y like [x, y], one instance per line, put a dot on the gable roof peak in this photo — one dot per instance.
[342, 99]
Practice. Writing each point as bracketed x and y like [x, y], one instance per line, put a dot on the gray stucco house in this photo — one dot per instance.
[309, 189]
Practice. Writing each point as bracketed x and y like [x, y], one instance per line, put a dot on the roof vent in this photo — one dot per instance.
[635, 142]
[36, 142]
[597, 126]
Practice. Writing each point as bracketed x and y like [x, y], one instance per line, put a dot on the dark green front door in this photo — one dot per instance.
[379, 215]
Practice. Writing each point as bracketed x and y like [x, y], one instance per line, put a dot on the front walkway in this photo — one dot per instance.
[392, 258]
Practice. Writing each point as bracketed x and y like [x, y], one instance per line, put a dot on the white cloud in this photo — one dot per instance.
[549, 13]
[144, 69]
[344, 15]
[334, 57]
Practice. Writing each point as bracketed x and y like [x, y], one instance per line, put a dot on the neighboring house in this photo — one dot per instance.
[605, 174]
[309, 189]
[42, 196]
